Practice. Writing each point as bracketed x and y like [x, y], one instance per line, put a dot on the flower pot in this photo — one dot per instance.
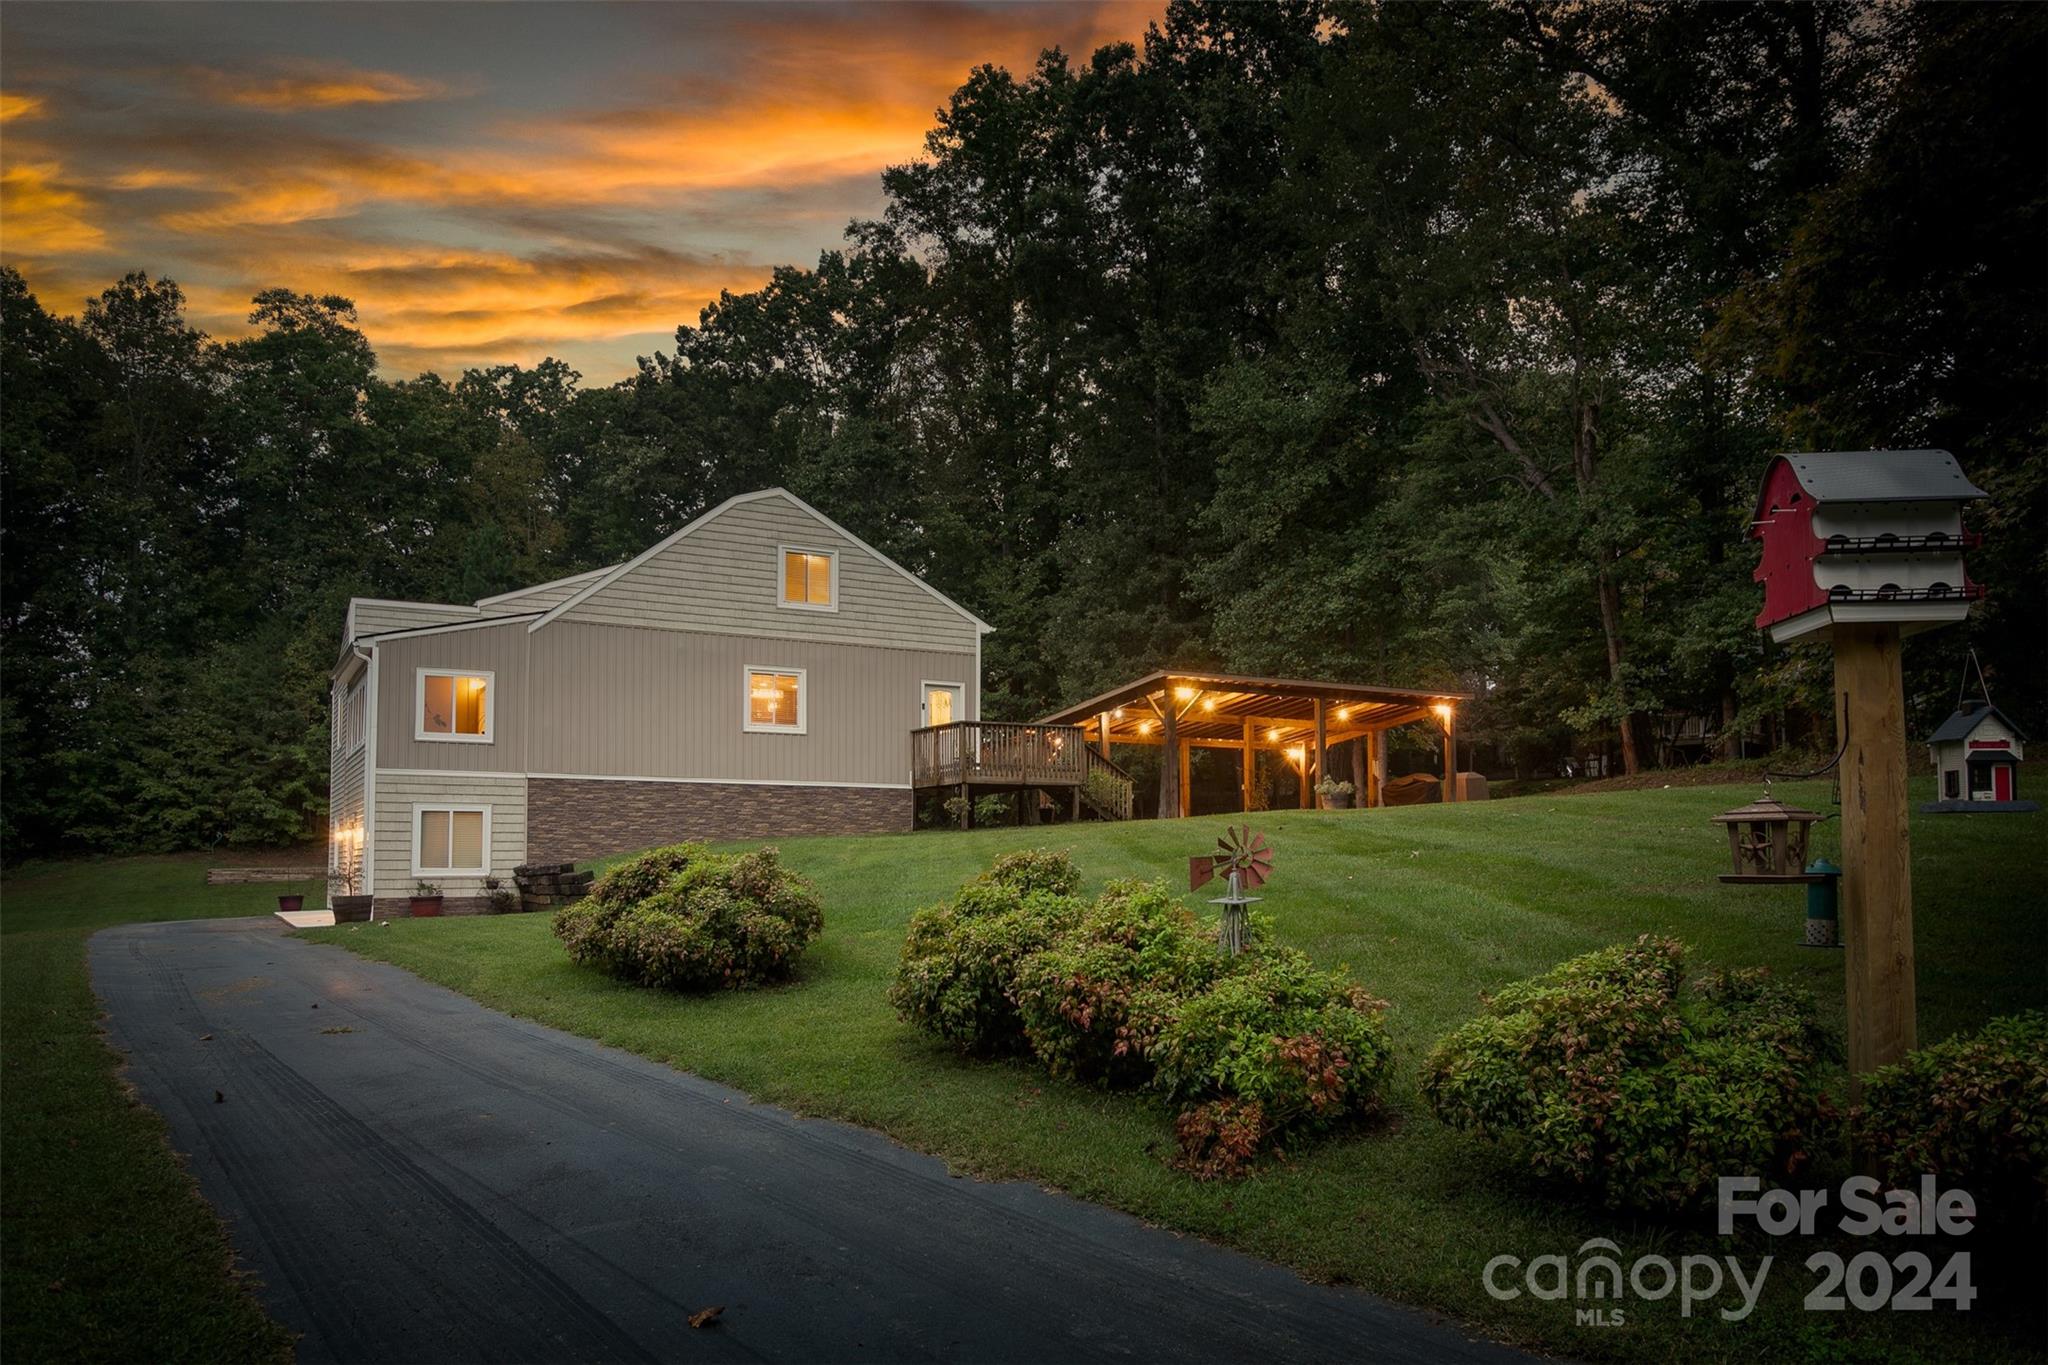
[425, 907]
[352, 909]
[1337, 801]
[288, 904]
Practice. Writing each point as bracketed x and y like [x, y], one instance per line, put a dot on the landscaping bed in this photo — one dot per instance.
[1430, 907]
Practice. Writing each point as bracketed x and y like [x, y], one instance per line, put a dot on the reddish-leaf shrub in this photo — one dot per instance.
[1971, 1111]
[1220, 1140]
[1609, 1075]
[686, 918]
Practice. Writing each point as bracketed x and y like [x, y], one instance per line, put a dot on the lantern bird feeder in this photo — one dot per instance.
[1767, 842]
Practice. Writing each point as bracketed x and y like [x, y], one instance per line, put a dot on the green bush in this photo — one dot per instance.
[1132, 990]
[960, 960]
[1972, 1111]
[1307, 1047]
[1609, 1074]
[686, 918]
[1093, 1001]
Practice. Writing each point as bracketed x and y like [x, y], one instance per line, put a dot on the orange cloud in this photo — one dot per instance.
[40, 214]
[313, 87]
[14, 106]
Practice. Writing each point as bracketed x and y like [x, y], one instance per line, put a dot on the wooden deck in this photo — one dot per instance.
[1015, 756]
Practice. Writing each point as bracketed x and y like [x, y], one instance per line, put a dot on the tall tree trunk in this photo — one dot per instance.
[1585, 468]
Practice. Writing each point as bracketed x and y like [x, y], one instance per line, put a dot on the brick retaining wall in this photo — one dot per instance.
[570, 819]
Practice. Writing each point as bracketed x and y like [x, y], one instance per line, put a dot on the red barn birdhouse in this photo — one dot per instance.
[1855, 537]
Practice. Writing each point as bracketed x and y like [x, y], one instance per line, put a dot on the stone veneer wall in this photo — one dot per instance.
[569, 819]
[400, 907]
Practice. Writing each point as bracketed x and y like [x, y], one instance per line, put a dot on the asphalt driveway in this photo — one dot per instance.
[417, 1178]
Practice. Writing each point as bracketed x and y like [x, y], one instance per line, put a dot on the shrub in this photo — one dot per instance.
[1221, 1139]
[1608, 1074]
[686, 918]
[1093, 1001]
[1038, 869]
[960, 960]
[1304, 1046]
[1972, 1111]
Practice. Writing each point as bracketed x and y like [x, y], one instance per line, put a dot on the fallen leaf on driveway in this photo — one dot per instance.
[219, 1098]
[704, 1317]
[206, 1037]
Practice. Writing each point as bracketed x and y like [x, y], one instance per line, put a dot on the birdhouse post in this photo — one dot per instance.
[1861, 548]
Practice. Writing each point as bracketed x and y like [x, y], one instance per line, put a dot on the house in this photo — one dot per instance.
[756, 674]
[1976, 754]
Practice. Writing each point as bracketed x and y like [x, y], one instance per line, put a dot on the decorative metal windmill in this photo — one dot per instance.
[1243, 855]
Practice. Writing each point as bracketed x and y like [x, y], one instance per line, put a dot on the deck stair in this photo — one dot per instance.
[966, 757]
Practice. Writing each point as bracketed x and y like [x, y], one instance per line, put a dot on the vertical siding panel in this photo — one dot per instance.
[500, 650]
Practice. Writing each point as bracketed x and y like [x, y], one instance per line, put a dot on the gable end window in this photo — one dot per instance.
[451, 841]
[776, 701]
[453, 704]
[809, 579]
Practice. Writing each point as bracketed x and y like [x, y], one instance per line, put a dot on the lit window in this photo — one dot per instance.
[775, 700]
[808, 579]
[454, 706]
[451, 840]
[353, 718]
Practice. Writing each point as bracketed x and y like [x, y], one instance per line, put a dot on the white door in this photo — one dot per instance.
[944, 703]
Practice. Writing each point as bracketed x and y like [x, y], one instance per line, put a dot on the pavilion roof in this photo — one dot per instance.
[1211, 705]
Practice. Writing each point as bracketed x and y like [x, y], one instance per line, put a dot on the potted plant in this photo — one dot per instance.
[501, 899]
[1335, 795]
[288, 904]
[349, 907]
[426, 900]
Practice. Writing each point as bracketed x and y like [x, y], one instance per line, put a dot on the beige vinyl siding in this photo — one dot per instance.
[726, 576]
[399, 794]
[370, 617]
[612, 701]
[344, 799]
[499, 650]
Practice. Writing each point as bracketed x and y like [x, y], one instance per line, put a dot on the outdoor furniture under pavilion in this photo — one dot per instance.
[1300, 719]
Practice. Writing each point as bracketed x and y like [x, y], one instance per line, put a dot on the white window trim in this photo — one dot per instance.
[471, 873]
[924, 698]
[782, 554]
[419, 705]
[803, 700]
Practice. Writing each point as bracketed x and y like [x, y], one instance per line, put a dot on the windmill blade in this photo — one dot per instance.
[1201, 871]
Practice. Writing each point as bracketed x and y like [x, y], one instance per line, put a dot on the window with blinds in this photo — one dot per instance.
[451, 840]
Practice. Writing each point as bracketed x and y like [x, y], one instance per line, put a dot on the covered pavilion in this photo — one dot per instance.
[1183, 710]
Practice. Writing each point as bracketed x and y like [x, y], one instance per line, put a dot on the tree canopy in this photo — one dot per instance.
[1429, 345]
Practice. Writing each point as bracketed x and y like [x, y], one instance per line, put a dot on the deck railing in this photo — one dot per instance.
[998, 753]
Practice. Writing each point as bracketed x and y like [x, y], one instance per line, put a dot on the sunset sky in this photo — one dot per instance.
[488, 183]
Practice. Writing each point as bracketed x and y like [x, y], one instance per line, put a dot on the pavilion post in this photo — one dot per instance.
[1359, 766]
[1304, 776]
[1322, 743]
[1251, 768]
[1102, 730]
[1450, 754]
[1169, 758]
[1371, 786]
[1187, 786]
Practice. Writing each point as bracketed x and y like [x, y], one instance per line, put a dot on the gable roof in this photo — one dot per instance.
[1882, 476]
[563, 582]
[1963, 724]
[617, 572]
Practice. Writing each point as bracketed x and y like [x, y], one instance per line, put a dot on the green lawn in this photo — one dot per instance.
[109, 1252]
[1428, 907]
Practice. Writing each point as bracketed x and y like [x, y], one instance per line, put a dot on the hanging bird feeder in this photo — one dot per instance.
[1767, 842]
